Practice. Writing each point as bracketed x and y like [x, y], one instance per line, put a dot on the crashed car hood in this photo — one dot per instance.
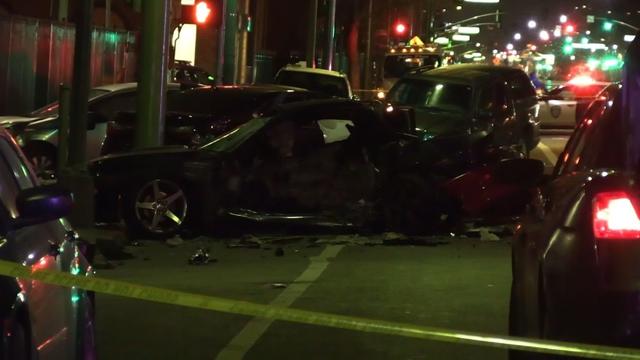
[12, 120]
[441, 123]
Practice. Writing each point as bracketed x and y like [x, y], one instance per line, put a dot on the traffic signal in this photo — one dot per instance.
[200, 13]
[400, 28]
[203, 11]
[569, 29]
[607, 26]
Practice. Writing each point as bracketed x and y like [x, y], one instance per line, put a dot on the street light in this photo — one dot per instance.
[544, 35]
[532, 24]
[563, 19]
[517, 37]
[510, 46]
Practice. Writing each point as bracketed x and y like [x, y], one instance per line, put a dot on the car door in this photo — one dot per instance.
[546, 211]
[525, 103]
[51, 310]
[504, 121]
[307, 166]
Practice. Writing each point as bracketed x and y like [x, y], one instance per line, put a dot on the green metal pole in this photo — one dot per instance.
[63, 131]
[76, 177]
[312, 33]
[63, 10]
[152, 89]
[331, 36]
[80, 88]
[231, 42]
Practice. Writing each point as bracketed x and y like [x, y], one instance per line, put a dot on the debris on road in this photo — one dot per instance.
[279, 286]
[201, 257]
[486, 235]
[174, 241]
[247, 241]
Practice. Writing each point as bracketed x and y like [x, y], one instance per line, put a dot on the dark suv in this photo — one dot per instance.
[472, 109]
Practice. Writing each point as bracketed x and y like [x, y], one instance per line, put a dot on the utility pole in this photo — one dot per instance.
[107, 14]
[368, 62]
[231, 42]
[331, 35]
[312, 33]
[243, 52]
[75, 177]
[152, 89]
[63, 10]
[221, 44]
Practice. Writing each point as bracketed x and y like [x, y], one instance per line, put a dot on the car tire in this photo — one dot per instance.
[413, 205]
[43, 158]
[157, 208]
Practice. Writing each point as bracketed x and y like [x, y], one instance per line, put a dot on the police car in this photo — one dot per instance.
[564, 106]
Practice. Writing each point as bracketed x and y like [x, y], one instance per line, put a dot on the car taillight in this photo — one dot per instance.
[615, 216]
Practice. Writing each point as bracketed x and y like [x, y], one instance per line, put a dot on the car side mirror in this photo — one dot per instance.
[94, 118]
[42, 204]
[524, 172]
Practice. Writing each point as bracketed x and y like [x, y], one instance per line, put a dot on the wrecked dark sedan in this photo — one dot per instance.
[470, 111]
[330, 162]
[195, 116]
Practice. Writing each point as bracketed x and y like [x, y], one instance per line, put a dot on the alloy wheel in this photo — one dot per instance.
[161, 206]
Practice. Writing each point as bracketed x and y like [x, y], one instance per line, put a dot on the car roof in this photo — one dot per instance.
[468, 73]
[251, 89]
[312, 71]
[127, 86]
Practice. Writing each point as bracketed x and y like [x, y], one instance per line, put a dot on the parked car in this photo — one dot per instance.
[329, 162]
[469, 113]
[196, 116]
[330, 83]
[184, 73]
[575, 273]
[39, 137]
[564, 106]
[39, 321]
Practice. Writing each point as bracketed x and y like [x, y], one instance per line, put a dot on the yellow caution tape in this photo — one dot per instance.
[148, 293]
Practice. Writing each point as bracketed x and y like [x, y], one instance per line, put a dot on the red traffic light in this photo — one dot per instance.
[202, 12]
[400, 28]
[569, 29]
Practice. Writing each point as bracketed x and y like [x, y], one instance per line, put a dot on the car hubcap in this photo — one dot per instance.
[161, 206]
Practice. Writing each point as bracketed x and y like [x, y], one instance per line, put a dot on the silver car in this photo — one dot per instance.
[39, 138]
[39, 321]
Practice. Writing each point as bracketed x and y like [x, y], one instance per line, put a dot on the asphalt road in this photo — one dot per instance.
[550, 146]
[462, 284]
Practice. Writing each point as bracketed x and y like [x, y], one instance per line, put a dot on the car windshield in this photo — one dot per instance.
[52, 109]
[396, 66]
[236, 137]
[320, 83]
[432, 94]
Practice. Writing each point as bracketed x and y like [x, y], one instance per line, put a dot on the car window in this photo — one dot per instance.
[432, 94]
[110, 106]
[602, 152]
[52, 109]
[521, 87]
[14, 176]
[326, 84]
[572, 158]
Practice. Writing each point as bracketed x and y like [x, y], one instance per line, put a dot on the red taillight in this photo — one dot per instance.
[615, 216]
